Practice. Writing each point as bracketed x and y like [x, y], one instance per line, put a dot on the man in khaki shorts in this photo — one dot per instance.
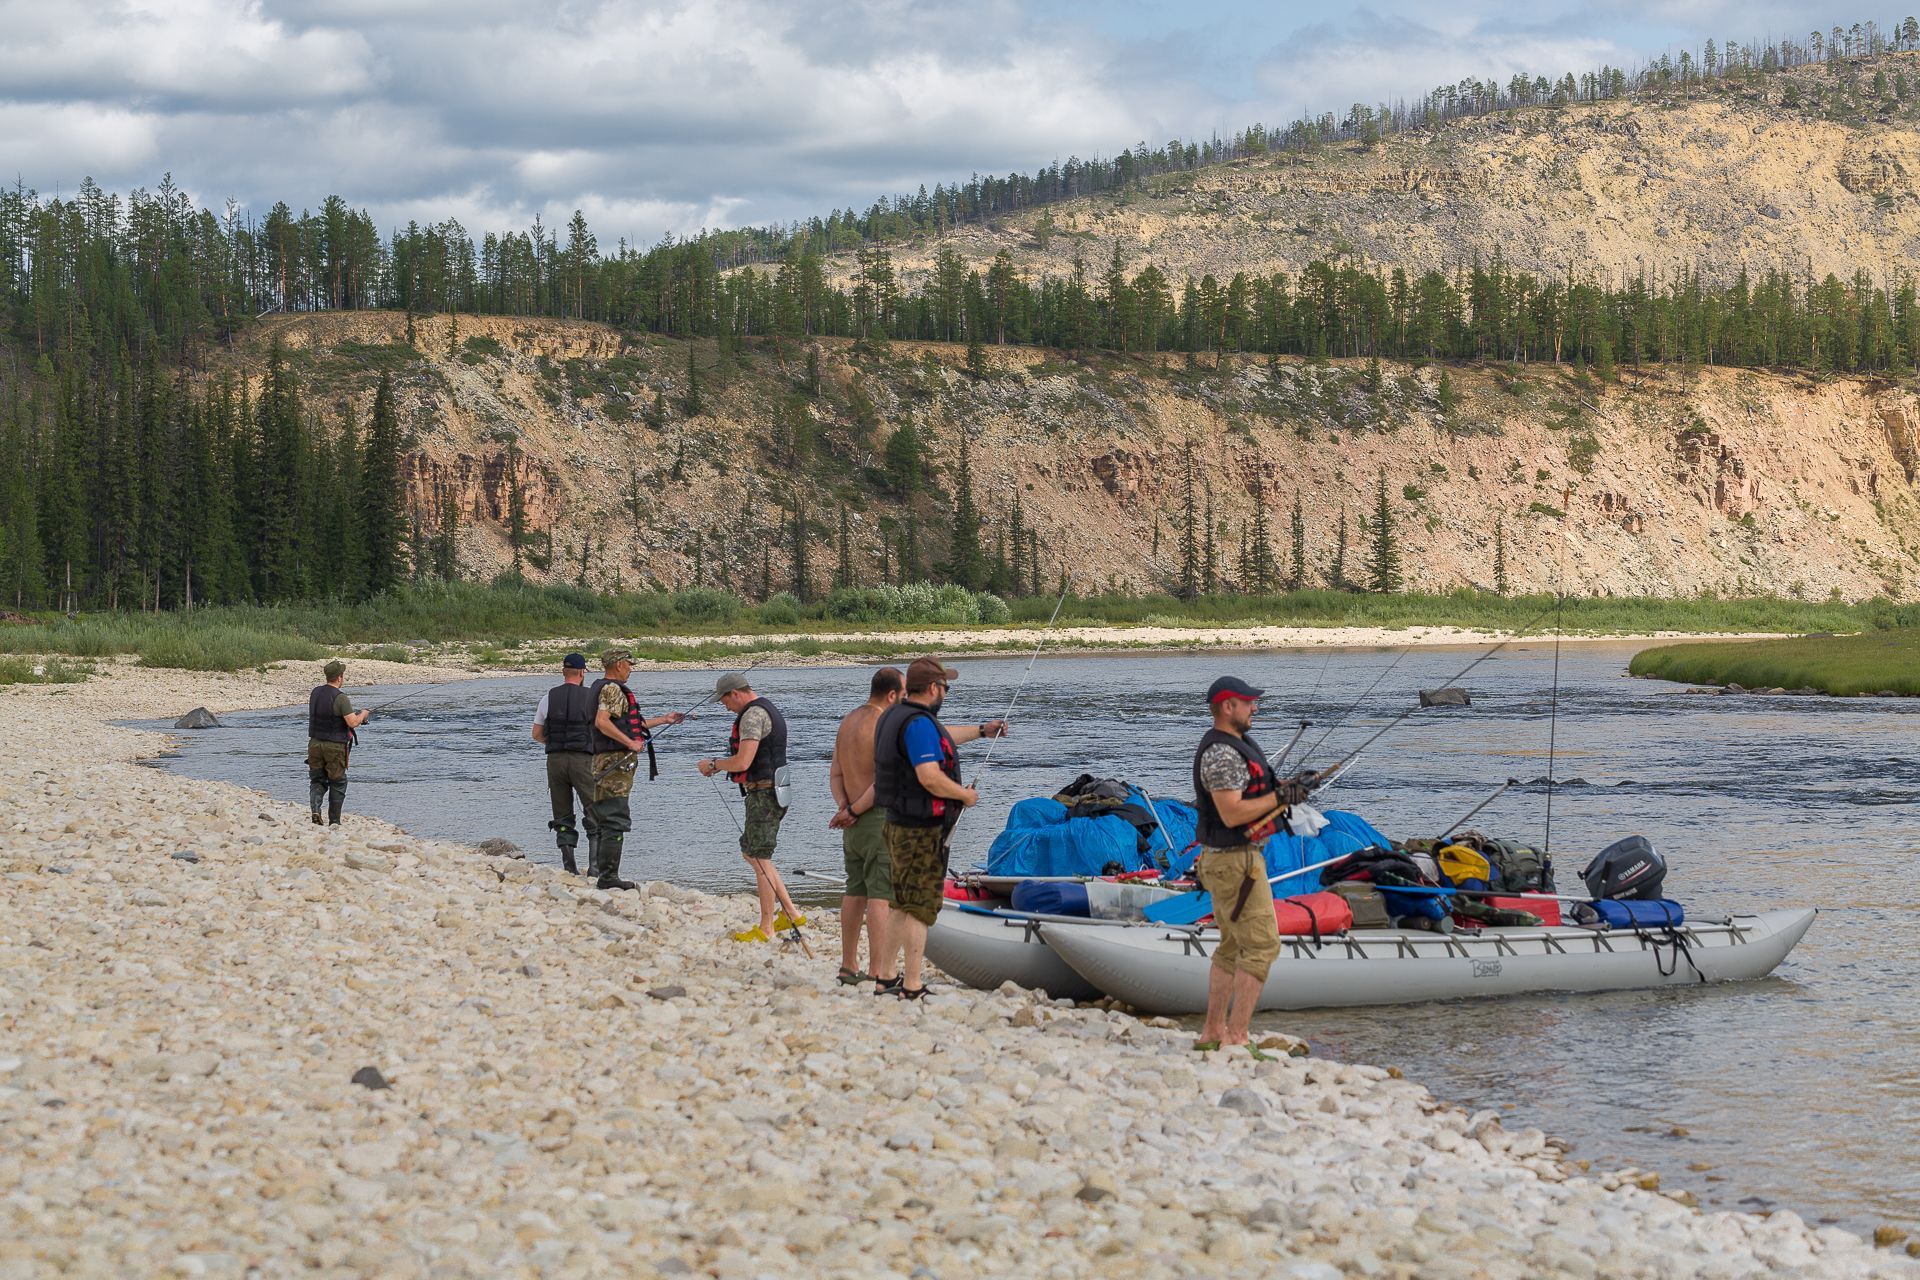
[1240, 804]
[868, 897]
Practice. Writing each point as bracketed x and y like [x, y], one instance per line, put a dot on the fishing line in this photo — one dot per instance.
[1355, 705]
[1553, 705]
[1007, 719]
[759, 874]
[1305, 724]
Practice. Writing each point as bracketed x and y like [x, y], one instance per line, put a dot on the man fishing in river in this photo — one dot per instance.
[331, 722]
[1240, 804]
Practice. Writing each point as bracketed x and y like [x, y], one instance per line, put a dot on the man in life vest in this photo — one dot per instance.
[1240, 804]
[620, 733]
[858, 817]
[563, 724]
[916, 776]
[331, 721]
[756, 761]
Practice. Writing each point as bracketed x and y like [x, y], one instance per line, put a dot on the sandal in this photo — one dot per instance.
[1258, 1055]
[1206, 1046]
[853, 977]
[889, 986]
[912, 993]
[783, 922]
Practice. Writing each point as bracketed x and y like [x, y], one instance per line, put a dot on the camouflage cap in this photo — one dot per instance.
[335, 669]
[614, 657]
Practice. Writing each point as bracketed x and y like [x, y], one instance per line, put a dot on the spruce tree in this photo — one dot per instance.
[844, 577]
[802, 565]
[966, 563]
[1337, 571]
[1500, 556]
[812, 382]
[976, 359]
[1297, 568]
[1189, 529]
[1209, 555]
[1033, 562]
[383, 504]
[1017, 549]
[1383, 568]
[691, 402]
[446, 547]
[516, 507]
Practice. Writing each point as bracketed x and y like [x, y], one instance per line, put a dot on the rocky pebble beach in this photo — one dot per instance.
[236, 1044]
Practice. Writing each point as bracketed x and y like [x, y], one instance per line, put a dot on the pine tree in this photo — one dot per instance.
[1297, 569]
[1383, 568]
[1500, 556]
[966, 563]
[383, 501]
[976, 359]
[1209, 556]
[905, 459]
[812, 382]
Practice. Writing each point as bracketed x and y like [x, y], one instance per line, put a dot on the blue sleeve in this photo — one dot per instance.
[922, 741]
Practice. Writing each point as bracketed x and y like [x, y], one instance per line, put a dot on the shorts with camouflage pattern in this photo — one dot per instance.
[919, 869]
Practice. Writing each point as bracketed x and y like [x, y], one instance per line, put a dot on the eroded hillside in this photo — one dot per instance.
[1727, 481]
[1725, 178]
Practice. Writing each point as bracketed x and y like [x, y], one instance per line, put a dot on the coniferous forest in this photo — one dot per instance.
[126, 480]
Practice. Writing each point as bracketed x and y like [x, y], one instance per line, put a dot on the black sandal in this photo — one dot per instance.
[912, 993]
[889, 986]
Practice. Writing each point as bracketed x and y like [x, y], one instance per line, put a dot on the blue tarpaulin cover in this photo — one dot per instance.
[1041, 840]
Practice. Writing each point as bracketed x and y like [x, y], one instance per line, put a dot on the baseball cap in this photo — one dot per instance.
[335, 669]
[1232, 687]
[611, 657]
[574, 662]
[732, 682]
[927, 672]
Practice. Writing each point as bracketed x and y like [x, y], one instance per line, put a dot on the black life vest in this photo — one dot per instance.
[571, 711]
[629, 723]
[772, 752]
[1212, 831]
[895, 784]
[323, 723]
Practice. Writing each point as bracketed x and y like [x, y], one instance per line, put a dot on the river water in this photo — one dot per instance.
[1801, 1091]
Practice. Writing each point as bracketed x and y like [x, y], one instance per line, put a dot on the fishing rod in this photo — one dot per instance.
[1469, 816]
[412, 693]
[1328, 774]
[760, 874]
[654, 734]
[1006, 720]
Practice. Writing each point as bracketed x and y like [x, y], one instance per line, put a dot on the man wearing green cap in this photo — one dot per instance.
[331, 721]
[620, 734]
[756, 762]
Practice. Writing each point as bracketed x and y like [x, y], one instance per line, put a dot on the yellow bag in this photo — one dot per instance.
[1461, 864]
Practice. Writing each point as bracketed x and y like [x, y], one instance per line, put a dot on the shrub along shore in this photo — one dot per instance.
[1883, 662]
[703, 624]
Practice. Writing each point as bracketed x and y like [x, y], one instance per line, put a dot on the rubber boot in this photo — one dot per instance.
[335, 803]
[593, 856]
[610, 849]
[567, 839]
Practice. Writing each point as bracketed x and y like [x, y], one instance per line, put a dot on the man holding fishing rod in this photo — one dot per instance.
[620, 733]
[916, 775]
[1240, 804]
[331, 721]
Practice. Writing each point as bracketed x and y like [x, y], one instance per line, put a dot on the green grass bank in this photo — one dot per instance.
[498, 621]
[1872, 662]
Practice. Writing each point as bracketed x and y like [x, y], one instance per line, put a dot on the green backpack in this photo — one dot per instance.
[1520, 868]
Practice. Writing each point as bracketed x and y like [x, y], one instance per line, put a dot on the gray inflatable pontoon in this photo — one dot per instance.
[1161, 970]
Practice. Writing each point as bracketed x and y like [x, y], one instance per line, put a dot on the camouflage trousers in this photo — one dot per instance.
[919, 856]
[762, 828]
[327, 777]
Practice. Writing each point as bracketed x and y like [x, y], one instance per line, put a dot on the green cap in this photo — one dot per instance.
[335, 669]
[612, 657]
[732, 682]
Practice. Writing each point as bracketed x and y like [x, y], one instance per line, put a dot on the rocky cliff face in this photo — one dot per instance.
[1671, 483]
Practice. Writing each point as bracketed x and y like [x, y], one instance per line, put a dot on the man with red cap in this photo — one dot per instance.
[1240, 804]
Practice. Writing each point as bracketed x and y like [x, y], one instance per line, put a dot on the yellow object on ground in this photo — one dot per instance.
[781, 923]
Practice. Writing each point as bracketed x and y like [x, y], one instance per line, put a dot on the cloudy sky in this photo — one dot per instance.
[659, 117]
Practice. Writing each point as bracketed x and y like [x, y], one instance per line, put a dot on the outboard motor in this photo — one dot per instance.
[1629, 868]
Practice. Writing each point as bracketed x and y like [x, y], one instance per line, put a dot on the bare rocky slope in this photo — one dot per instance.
[1728, 481]
[1716, 179]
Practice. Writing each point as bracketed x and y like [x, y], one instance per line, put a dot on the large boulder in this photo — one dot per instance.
[1452, 696]
[198, 718]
